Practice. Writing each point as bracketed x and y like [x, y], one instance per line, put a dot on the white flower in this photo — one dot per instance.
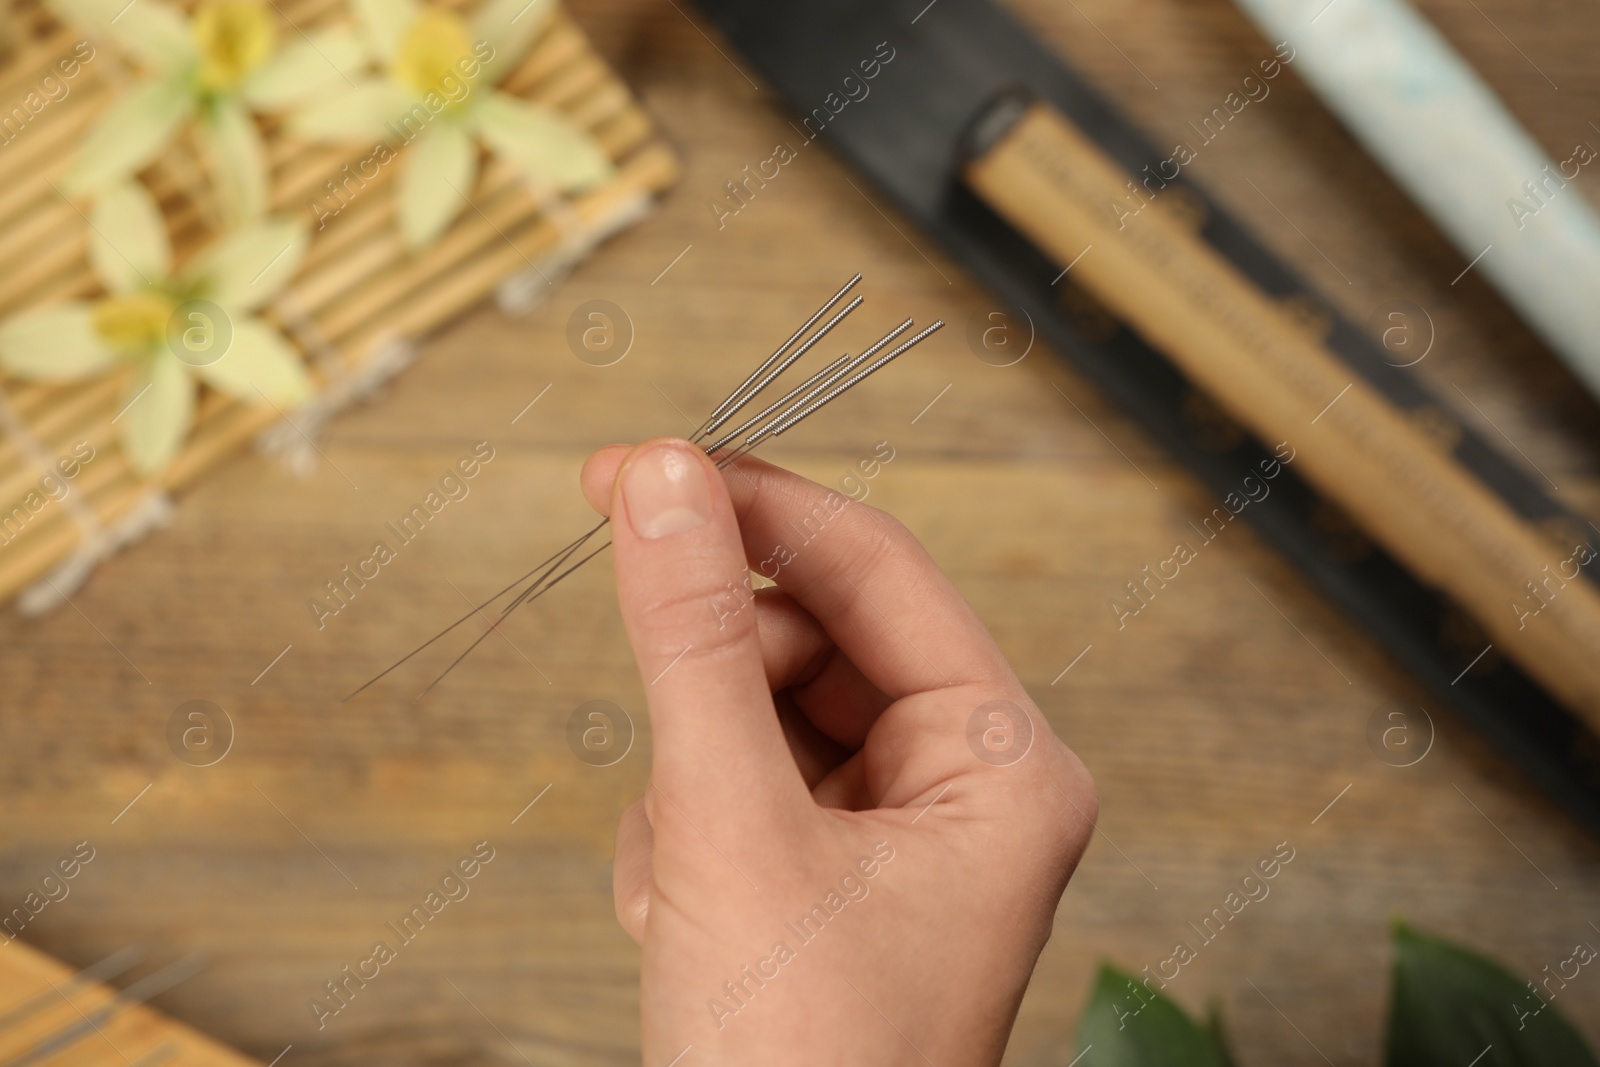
[437, 94]
[214, 68]
[133, 324]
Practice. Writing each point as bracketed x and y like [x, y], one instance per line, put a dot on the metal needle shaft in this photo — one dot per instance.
[768, 378]
[816, 383]
[770, 360]
[820, 389]
[809, 406]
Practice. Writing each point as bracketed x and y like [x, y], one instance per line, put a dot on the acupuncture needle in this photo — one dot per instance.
[532, 593]
[827, 376]
[824, 394]
[812, 404]
[819, 391]
[810, 387]
[772, 375]
[735, 400]
[110, 967]
[823, 310]
[814, 400]
[545, 583]
[145, 988]
[553, 561]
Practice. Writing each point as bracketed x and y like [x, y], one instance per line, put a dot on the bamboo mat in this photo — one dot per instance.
[51, 1014]
[357, 300]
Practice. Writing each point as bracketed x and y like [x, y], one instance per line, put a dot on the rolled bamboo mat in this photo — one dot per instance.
[357, 291]
[50, 1013]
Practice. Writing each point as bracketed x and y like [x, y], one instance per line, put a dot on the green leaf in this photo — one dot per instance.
[1450, 1005]
[1128, 1025]
[1214, 1028]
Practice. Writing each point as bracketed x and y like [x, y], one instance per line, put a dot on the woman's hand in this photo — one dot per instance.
[858, 825]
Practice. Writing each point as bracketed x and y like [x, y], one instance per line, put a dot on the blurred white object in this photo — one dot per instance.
[1444, 136]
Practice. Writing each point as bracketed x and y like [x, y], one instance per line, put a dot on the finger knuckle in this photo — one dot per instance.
[885, 534]
[706, 614]
[1074, 819]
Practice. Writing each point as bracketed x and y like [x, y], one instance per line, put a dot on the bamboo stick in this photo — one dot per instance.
[1049, 180]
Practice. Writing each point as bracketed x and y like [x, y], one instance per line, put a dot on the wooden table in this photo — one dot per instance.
[1222, 721]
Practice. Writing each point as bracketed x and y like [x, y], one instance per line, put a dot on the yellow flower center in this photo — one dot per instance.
[434, 43]
[234, 38]
[133, 323]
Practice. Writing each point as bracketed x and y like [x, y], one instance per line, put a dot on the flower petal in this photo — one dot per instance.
[129, 135]
[148, 30]
[312, 66]
[384, 24]
[435, 181]
[353, 115]
[543, 145]
[238, 160]
[159, 410]
[56, 343]
[247, 267]
[129, 247]
[259, 363]
[510, 26]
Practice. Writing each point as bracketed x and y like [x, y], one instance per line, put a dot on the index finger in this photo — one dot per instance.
[858, 571]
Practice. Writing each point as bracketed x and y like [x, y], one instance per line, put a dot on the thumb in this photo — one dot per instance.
[684, 589]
